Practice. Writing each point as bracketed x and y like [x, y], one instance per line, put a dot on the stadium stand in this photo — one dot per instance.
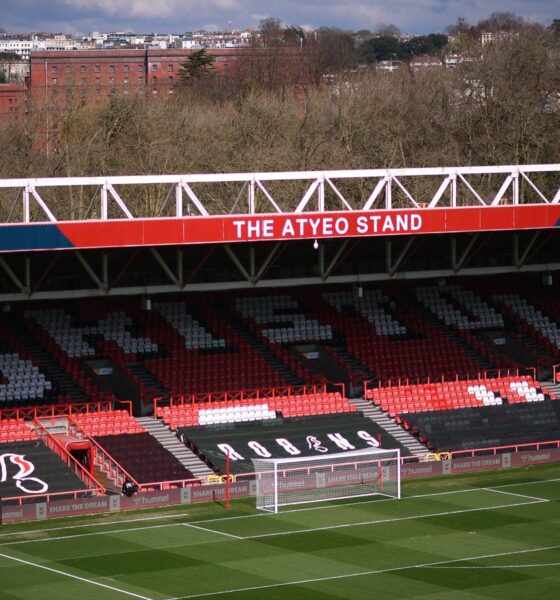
[254, 409]
[447, 395]
[296, 436]
[32, 468]
[144, 458]
[109, 422]
[15, 430]
[204, 353]
[488, 426]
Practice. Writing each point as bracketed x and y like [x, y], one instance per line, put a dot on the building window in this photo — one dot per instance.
[170, 80]
[112, 68]
[111, 81]
[83, 81]
[125, 80]
[125, 68]
[68, 69]
[54, 69]
[154, 81]
[82, 69]
[53, 81]
[97, 81]
[140, 68]
[141, 80]
[69, 81]
[97, 68]
[154, 67]
[125, 92]
[170, 68]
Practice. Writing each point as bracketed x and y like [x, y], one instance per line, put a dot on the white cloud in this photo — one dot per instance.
[149, 9]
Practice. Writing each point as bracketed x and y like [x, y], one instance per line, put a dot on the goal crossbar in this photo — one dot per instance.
[298, 480]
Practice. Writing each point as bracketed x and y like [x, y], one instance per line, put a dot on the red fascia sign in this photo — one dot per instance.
[275, 227]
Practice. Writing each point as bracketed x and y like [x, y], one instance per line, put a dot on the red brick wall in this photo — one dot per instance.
[12, 99]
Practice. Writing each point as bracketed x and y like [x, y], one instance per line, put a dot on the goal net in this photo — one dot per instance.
[287, 481]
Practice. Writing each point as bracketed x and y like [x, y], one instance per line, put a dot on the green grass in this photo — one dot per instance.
[491, 535]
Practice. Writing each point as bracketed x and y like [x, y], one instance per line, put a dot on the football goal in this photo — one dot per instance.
[287, 481]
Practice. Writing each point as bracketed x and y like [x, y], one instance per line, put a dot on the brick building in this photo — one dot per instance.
[70, 78]
[12, 101]
[59, 81]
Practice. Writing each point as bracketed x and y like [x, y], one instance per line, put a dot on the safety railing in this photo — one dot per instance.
[30, 413]
[78, 469]
[102, 458]
[250, 394]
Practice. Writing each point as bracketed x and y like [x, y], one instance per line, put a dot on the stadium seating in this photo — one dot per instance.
[254, 409]
[22, 382]
[143, 457]
[448, 395]
[488, 426]
[15, 430]
[296, 436]
[206, 354]
[46, 472]
[111, 422]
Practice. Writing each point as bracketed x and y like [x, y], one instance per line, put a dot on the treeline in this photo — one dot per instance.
[388, 47]
[501, 109]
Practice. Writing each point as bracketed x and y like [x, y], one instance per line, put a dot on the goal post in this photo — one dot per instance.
[300, 480]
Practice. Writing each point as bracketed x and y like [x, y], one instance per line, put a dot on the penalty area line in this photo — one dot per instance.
[361, 573]
[394, 519]
[230, 535]
[76, 577]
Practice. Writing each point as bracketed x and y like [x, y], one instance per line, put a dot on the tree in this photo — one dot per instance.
[501, 21]
[382, 48]
[271, 31]
[459, 27]
[390, 30]
[197, 65]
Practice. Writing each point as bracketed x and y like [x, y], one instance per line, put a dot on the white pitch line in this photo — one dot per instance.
[230, 535]
[251, 516]
[77, 577]
[515, 494]
[361, 573]
[93, 533]
[392, 520]
[475, 567]
[102, 524]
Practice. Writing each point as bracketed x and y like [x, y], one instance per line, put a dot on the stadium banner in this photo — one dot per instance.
[476, 463]
[207, 493]
[151, 499]
[72, 508]
[244, 488]
[15, 514]
[422, 469]
[533, 457]
[119, 233]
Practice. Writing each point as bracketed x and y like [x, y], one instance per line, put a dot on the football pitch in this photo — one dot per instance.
[491, 535]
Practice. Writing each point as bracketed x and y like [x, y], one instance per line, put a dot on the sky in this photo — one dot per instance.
[177, 16]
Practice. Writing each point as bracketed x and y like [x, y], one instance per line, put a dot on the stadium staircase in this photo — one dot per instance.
[359, 371]
[147, 378]
[387, 424]
[63, 384]
[251, 340]
[169, 441]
